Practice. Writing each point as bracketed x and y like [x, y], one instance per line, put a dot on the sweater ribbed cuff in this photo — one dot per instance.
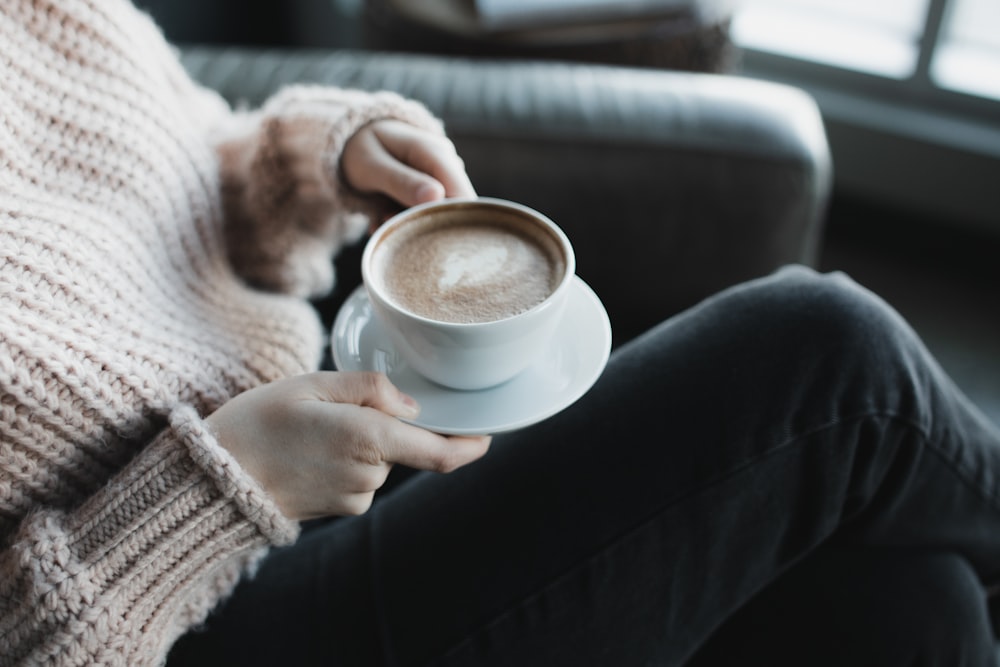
[232, 481]
[183, 491]
[173, 529]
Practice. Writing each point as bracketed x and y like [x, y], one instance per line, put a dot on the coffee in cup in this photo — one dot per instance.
[469, 290]
[470, 268]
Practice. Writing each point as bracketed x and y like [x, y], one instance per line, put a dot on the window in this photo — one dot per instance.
[909, 90]
[967, 58]
[876, 37]
[950, 45]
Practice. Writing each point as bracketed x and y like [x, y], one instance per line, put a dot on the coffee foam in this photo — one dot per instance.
[469, 267]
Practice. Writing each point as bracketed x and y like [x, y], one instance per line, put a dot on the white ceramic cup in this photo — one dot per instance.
[467, 355]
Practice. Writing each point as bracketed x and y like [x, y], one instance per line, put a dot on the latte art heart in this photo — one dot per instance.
[469, 264]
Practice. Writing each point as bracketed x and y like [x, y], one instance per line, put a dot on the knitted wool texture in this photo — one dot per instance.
[156, 246]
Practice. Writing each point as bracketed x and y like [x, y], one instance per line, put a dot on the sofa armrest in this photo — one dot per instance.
[671, 185]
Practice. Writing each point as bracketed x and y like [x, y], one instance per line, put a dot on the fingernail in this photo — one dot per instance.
[410, 406]
[429, 192]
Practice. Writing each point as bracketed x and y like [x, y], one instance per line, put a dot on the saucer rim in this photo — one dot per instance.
[559, 401]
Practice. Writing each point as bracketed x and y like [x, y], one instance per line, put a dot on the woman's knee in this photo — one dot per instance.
[826, 305]
[828, 314]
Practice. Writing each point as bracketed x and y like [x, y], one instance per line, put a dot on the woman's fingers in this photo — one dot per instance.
[401, 443]
[406, 163]
[323, 443]
[421, 449]
[366, 389]
[429, 154]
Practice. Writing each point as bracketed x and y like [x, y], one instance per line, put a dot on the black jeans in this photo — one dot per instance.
[778, 471]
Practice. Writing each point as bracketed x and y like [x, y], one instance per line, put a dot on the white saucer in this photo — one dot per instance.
[578, 354]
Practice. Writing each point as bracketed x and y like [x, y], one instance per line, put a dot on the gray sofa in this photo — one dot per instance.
[671, 185]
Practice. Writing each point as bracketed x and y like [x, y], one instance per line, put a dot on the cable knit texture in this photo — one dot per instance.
[156, 246]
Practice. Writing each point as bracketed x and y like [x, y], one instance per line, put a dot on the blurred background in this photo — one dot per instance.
[909, 91]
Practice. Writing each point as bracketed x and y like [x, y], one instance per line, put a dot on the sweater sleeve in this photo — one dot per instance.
[287, 208]
[155, 548]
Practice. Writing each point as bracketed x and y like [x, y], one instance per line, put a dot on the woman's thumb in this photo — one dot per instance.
[368, 389]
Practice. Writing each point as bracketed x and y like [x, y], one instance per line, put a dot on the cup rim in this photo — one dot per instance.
[489, 202]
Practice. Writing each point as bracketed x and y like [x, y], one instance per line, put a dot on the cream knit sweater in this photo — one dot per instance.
[156, 246]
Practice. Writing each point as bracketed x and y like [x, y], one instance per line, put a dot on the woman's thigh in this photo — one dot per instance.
[714, 452]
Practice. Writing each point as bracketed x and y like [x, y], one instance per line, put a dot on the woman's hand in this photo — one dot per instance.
[321, 444]
[409, 164]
